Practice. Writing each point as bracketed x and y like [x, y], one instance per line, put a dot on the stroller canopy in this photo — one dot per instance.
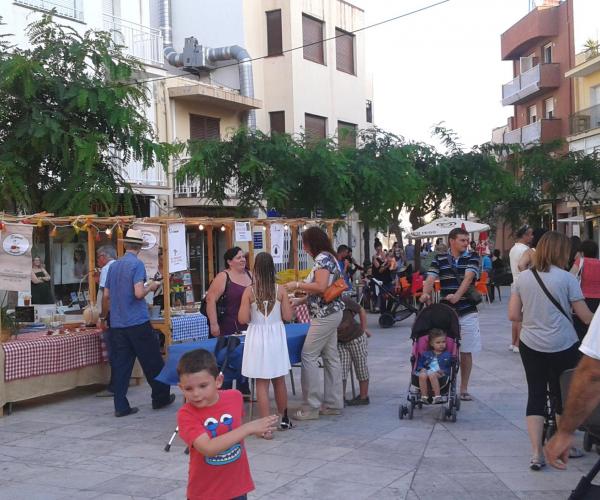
[439, 316]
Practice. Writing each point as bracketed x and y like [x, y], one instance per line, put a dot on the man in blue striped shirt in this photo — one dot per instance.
[457, 270]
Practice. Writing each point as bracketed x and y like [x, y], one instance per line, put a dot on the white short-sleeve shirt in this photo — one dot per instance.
[590, 346]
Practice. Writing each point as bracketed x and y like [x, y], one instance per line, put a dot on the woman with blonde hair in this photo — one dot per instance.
[542, 299]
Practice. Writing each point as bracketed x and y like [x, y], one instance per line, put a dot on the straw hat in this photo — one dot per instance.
[133, 236]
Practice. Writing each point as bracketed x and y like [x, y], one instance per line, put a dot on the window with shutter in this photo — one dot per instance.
[204, 127]
[274, 36]
[277, 119]
[312, 39]
[344, 51]
[346, 134]
[315, 127]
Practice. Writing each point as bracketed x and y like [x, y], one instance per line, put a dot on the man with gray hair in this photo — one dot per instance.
[105, 256]
[131, 334]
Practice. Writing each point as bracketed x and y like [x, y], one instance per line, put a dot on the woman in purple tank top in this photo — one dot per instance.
[232, 282]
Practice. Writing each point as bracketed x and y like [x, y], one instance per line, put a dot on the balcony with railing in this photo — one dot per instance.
[544, 130]
[135, 174]
[141, 42]
[65, 8]
[585, 120]
[530, 83]
[198, 189]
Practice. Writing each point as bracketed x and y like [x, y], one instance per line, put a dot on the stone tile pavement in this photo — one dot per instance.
[70, 446]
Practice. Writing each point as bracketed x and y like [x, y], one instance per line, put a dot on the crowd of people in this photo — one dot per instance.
[554, 293]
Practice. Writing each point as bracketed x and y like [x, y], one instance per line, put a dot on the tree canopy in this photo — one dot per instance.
[69, 121]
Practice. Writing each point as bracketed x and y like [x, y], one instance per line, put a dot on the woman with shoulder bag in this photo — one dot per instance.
[321, 340]
[542, 299]
[228, 287]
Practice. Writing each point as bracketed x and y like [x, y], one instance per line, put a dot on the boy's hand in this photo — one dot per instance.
[262, 425]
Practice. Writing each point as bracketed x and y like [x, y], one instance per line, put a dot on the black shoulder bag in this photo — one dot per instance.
[221, 303]
[549, 295]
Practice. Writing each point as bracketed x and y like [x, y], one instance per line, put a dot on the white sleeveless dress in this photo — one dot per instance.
[265, 349]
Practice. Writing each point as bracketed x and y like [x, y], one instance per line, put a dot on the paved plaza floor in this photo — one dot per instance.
[72, 447]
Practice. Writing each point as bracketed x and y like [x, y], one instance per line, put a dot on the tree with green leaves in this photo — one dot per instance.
[70, 119]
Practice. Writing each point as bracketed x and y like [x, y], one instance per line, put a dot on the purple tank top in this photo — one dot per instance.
[229, 322]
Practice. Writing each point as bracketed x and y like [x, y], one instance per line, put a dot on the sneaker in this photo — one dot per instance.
[130, 411]
[158, 406]
[306, 414]
[511, 347]
[285, 423]
[437, 400]
[515, 349]
[425, 400]
[105, 394]
[330, 411]
[358, 401]
[536, 463]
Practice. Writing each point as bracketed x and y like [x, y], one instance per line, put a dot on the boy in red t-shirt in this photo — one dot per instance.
[210, 423]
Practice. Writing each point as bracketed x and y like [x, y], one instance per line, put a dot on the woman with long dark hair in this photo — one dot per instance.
[542, 300]
[321, 340]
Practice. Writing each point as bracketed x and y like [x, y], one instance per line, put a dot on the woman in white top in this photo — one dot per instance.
[263, 307]
[548, 343]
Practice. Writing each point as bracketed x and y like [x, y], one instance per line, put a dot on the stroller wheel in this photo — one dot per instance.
[386, 320]
[587, 441]
[453, 415]
[457, 403]
[411, 410]
[402, 411]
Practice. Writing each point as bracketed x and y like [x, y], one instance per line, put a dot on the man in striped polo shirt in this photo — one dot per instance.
[457, 270]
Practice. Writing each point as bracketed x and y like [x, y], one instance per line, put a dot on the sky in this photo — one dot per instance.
[444, 64]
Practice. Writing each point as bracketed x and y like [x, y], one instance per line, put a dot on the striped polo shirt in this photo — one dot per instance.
[451, 272]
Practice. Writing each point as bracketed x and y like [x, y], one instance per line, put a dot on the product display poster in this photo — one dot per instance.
[277, 240]
[243, 231]
[15, 257]
[178, 260]
[149, 253]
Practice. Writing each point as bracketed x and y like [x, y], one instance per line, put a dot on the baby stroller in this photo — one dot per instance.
[585, 490]
[398, 308]
[443, 317]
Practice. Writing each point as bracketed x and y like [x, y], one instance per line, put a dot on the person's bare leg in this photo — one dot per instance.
[281, 397]
[466, 364]
[535, 429]
[435, 383]
[363, 388]
[423, 384]
[262, 396]
[516, 333]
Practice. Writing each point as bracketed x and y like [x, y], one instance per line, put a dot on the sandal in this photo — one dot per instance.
[437, 400]
[536, 463]
[285, 424]
[465, 396]
[575, 452]
[425, 400]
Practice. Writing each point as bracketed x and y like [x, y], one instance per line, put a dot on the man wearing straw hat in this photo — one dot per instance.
[131, 333]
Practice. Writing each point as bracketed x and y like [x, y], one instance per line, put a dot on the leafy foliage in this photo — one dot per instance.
[69, 122]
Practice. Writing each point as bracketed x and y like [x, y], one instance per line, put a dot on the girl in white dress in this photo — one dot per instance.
[263, 308]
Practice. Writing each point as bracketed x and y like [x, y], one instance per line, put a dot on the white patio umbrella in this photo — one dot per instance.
[443, 226]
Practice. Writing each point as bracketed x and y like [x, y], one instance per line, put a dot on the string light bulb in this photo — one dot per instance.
[304, 227]
[201, 227]
[286, 227]
[223, 227]
[108, 232]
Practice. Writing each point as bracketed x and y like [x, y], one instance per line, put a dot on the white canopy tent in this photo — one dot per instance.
[443, 226]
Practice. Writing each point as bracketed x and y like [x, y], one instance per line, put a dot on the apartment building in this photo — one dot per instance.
[540, 47]
[129, 22]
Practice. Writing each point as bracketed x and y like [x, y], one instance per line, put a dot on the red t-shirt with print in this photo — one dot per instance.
[226, 475]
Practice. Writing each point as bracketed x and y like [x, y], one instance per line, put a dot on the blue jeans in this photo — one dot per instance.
[125, 345]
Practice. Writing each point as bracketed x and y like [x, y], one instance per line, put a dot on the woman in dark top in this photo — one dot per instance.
[41, 293]
[381, 264]
[232, 282]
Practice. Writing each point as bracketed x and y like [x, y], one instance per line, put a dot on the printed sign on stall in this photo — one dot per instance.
[243, 231]
[15, 257]
[277, 241]
[149, 253]
[178, 260]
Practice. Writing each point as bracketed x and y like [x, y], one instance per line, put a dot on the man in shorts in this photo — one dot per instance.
[457, 270]
[524, 238]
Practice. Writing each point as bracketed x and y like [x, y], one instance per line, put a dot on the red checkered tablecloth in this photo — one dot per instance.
[302, 314]
[45, 355]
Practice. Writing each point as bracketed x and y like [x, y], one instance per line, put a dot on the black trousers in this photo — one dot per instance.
[543, 370]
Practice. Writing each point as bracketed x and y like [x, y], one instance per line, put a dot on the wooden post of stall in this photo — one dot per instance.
[91, 249]
[166, 286]
[330, 231]
[294, 243]
[211, 253]
[120, 248]
[268, 237]
[228, 236]
[250, 263]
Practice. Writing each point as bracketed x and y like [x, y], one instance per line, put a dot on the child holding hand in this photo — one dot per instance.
[210, 423]
[434, 366]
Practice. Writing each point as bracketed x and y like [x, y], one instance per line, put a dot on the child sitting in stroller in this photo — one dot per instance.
[434, 366]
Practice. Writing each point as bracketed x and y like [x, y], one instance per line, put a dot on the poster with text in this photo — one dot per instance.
[15, 257]
[243, 231]
[178, 260]
[149, 252]
[277, 240]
